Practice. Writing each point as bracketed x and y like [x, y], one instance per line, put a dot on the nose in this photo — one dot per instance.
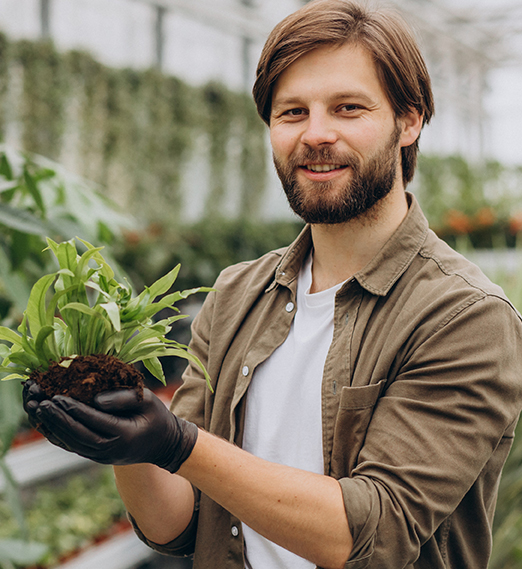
[319, 130]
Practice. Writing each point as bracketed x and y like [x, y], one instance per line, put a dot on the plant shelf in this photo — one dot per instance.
[124, 551]
[40, 460]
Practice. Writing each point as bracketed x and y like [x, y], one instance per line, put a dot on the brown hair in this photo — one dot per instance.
[383, 33]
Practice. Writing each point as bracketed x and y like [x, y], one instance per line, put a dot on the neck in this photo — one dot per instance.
[343, 249]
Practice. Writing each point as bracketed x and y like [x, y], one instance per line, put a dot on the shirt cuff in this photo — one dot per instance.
[181, 546]
[363, 511]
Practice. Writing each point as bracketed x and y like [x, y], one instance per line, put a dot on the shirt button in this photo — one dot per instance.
[245, 370]
[289, 307]
[234, 531]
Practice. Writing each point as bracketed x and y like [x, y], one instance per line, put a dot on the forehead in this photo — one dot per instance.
[330, 69]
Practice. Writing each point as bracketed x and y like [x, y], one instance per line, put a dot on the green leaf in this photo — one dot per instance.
[155, 368]
[85, 341]
[25, 360]
[143, 340]
[53, 303]
[22, 374]
[23, 221]
[62, 337]
[180, 353]
[67, 272]
[83, 308]
[34, 191]
[66, 254]
[44, 352]
[106, 270]
[36, 307]
[82, 268]
[95, 286]
[137, 307]
[163, 285]
[5, 168]
[4, 351]
[169, 300]
[114, 314]
[10, 336]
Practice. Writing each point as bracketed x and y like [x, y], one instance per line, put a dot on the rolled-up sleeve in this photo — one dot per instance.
[181, 546]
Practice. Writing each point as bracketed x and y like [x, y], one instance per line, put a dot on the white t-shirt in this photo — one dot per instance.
[283, 406]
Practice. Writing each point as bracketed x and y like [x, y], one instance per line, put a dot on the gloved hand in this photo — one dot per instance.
[119, 430]
[32, 397]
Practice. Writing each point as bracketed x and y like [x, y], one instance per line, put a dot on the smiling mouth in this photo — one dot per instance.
[323, 167]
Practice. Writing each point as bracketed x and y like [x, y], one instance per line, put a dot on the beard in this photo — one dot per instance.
[319, 202]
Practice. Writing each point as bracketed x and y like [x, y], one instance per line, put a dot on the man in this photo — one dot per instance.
[370, 373]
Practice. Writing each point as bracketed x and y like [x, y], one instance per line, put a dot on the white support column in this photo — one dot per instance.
[45, 18]
[159, 35]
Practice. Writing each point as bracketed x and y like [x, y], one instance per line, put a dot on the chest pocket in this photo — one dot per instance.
[356, 408]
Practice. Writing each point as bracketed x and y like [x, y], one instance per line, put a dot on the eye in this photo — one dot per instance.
[350, 107]
[294, 113]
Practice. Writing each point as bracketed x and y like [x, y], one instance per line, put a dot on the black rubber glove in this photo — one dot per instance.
[120, 430]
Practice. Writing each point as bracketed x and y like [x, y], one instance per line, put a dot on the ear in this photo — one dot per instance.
[411, 127]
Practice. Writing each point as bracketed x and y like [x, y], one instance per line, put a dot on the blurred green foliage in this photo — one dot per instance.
[203, 248]
[37, 199]
[477, 205]
[69, 515]
[133, 131]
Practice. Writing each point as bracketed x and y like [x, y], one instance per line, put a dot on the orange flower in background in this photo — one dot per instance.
[515, 223]
[485, 217]
[132, 238]
[155, 229]
[458, 221]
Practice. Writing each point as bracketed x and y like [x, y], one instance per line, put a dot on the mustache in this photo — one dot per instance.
[322, 155]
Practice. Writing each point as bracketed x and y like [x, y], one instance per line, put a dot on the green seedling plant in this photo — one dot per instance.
[82, 310]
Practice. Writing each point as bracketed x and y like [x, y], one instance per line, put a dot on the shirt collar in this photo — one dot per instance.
[291, 262]
[381, 273]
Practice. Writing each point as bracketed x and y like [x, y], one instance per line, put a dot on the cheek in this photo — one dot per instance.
[283, 141]
[364, 136]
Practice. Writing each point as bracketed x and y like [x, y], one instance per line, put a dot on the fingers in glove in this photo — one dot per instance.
[63, 427]
[119, 402]
[32, 396]
[93, 420]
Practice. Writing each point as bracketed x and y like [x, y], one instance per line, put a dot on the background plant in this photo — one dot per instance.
[37, 198]
[134, 131]
[67, 516]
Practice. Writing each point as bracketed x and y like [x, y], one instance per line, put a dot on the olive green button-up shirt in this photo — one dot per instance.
[421, 392]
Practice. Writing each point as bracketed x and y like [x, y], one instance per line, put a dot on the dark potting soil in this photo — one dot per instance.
[86, 376]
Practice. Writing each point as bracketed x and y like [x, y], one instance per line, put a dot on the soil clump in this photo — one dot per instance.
[86, 376]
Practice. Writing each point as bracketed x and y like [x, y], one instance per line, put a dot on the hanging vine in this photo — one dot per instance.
[91, 78]
[45, 91]
[253, 161]
[220, 114]
[134, 129]
[4, 81]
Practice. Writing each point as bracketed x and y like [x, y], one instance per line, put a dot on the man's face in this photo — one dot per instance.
[335, 139]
